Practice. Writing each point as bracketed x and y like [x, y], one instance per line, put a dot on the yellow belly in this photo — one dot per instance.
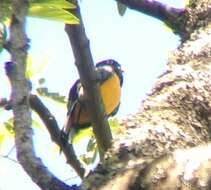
[111, 92]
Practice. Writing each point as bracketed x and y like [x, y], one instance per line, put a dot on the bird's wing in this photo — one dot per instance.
[72, 100]
[73, 96]
[115, 110]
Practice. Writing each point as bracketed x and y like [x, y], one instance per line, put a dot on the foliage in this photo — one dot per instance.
[58, 10]
[121, 8]
[34, 70]
[9, 125]
[91, 152]
[3, 35]
[91, 155]
[6, 132]
[187, 2]
[43, 91]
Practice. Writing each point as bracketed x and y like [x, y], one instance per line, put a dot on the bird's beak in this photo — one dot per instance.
[122, 70]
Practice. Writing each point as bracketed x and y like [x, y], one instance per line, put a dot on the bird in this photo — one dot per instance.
[109, 74]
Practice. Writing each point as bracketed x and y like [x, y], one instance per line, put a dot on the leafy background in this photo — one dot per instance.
[58, 10]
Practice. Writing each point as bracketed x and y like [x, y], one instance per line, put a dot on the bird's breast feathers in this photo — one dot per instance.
[111, 92]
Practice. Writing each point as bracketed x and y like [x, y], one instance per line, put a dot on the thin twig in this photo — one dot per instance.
[10, 151]
[11, 159]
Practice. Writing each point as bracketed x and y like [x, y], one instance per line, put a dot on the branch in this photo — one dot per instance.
[173, 17]
[54, 131]
[20, 103]
[85, 66]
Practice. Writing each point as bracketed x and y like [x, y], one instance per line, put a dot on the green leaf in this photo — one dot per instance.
[187, 2]
[5, 10]
[84, 133]
[36, 66]
[6, 130]
[94, 157]
[9, 126]
[3, 35]
[85, 159]
[41, 81]
[46, 9]
[121, 8]
[91, 145]
[88, 133]
[55, 3]
[43, 91]
[1, 139]
[92, 151]
[29, 70]
[5, 134]
[36, 124]
[52, 13]
[115, 126]
[167, 28]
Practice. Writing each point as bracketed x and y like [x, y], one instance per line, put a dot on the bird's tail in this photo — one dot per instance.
[66, 133]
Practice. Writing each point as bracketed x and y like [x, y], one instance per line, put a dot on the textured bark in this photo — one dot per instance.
[166, 144]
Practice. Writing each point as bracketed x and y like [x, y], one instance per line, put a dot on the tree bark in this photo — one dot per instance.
[166, 144]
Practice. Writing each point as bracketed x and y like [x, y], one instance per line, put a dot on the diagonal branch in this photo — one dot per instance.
[173, 17]
[54, 131]
[85, 66]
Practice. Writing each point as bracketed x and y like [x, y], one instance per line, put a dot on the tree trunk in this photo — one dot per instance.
[166, 144]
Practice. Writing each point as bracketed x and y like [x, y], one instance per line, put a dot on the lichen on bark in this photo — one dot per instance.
[172, 127]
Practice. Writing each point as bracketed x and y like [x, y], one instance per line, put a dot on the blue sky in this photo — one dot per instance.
[141, 44]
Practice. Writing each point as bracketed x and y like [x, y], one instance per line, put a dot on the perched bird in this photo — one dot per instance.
[110, 77]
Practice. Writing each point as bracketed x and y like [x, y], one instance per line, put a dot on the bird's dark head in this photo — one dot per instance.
[116, 67]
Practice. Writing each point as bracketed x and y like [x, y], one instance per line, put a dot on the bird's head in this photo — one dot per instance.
[115, 66]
